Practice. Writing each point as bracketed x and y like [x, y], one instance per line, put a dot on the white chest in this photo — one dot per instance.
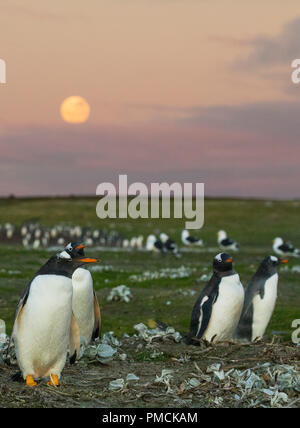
[83, 302]
[42, 333]
[227, 310]
[263, 308]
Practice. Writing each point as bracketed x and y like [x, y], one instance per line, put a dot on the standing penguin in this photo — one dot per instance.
[260, 299]
[44, 325]
[218, 309]
[85, 304]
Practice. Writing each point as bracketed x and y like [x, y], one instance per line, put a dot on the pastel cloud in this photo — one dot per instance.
[249, 150]
[272, 51]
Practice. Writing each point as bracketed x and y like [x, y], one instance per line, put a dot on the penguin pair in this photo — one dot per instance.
[224, 311]
[45, 325]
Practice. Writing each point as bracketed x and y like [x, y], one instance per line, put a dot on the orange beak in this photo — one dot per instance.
[284, 261]
[229, 261]
[88, 260]
[79, 247]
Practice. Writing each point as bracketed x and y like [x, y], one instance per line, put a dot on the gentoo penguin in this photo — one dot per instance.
[284, 248]
[187, 239]
[218, 309]
[154, 244]
[44, 325]
[260, 298]
[226, 243]
[85, 304]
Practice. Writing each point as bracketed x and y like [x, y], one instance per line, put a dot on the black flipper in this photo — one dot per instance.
[202, 310]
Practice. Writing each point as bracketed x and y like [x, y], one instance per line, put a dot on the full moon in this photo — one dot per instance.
[75, 109]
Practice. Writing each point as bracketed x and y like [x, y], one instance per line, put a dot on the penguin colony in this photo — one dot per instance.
[32, 235]
[62, 298]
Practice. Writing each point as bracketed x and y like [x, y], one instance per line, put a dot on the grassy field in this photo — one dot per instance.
[253, 224]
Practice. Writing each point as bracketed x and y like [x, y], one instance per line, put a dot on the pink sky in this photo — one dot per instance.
[180, 90]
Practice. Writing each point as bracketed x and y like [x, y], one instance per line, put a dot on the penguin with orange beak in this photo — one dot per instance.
[260, 299]
[85, 304]
[217, 311]
[45, 327]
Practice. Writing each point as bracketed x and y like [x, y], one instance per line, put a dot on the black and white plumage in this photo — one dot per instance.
[282, 248]
[260, 299]
[217, 311]
[226, 243]
[44, 326]
[187, 239]
[169, 245]
[154, 244]
[84, 303]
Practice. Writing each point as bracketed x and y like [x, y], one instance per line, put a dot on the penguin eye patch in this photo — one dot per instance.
[219, 257]
[64, 255]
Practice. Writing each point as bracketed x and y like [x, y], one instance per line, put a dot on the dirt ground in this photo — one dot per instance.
[86, 384]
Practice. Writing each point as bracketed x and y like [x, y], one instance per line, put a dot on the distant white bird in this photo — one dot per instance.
[125, 243]
[133, 242]
[96, 234]
[60, 241]
[37, 233]
[23, 231]
[284, 248]
[89, 242]
[168, 243]
[36, 244]
[25, 243]
[154, 244]
[226, 243]
[187, 239]
[139, 242]
[53, 232]
[9, 232]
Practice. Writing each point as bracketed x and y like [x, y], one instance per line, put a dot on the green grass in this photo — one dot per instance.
[253, 223]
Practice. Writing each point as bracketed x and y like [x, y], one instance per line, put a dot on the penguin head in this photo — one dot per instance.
[73, 260]
[270, 264]
[222, 262]
[75, 249]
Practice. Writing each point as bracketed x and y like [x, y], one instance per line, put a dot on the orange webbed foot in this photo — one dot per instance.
[30, 381]
[53, 380]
